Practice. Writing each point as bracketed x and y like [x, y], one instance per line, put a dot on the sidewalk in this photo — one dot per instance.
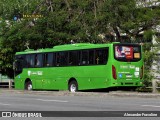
[98, 94]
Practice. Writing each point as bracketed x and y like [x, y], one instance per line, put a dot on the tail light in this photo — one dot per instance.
[114, 72]
[141, 75]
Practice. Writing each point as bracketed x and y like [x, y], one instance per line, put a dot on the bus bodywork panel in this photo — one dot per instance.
[87, 76]
[128, 74]
[57, 78]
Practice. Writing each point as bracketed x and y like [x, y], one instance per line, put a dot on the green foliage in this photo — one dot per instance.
[150, 55]
[147, 35]
[148, 59]
[66, 20]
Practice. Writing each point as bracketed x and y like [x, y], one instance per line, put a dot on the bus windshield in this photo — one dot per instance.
[131, 53]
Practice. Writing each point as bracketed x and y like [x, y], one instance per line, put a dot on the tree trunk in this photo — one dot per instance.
[118, 37]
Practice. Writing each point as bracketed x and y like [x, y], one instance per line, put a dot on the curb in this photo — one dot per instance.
[135, 94]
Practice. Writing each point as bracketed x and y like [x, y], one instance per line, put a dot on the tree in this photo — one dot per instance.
[64, 20]
[130, 17]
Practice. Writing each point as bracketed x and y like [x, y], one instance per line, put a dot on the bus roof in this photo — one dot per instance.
[66, 47]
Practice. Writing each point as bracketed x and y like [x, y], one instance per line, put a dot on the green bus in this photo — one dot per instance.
[80, 66]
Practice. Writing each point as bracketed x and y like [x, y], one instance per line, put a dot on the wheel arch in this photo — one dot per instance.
[72, 79]
[27, 80]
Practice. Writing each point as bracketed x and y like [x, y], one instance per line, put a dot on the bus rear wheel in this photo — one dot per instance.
[73, 86]
[28, 85]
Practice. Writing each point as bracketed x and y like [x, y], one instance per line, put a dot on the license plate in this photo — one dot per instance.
[128, 76]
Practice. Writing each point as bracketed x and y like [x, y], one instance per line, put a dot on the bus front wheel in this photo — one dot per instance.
[28, 85]
[73, 86]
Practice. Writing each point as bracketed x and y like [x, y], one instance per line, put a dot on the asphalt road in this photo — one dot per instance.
[52, 102]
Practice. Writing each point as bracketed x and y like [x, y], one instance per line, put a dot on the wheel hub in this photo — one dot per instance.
[29, 87]
[73, 88]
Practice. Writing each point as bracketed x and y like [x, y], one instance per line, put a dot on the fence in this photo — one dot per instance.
[6, 82]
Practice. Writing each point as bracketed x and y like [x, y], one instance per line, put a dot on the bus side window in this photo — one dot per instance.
[97, 57]
[91, 57]
[38, 60]
[84, 56]
[63, 58]
[101, 56]
[57, 59]
[27, 59]
[73, 58]
[32, 60]
[48, 59]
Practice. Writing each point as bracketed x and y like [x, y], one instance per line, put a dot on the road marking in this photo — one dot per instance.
[4, 104]
[150, 106]
[51, 100]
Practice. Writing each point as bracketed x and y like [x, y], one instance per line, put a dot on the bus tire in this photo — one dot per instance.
[73, 86]
[28, 85]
